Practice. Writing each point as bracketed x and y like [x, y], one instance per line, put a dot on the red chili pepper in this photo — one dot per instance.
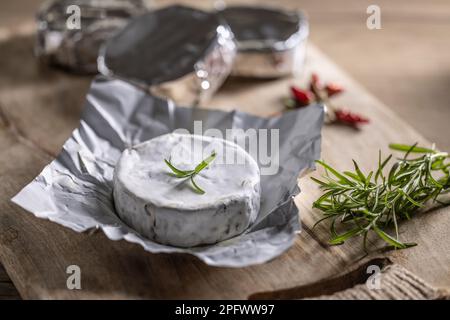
[315, 81]
[302, 97]
[349, 118]
[333, 89]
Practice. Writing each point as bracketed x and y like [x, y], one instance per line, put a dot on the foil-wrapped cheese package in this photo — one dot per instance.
[77, 189]
[175, 52]
[70, 32]
[271, 42]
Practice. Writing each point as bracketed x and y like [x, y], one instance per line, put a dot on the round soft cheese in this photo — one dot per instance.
[167, 209]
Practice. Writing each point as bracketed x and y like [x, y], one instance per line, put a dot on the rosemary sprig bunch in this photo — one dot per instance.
[358, 203]
[190, 174]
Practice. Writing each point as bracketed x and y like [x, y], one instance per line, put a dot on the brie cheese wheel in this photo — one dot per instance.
[167, 209]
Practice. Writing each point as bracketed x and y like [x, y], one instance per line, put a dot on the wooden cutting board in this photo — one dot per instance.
[39, 108]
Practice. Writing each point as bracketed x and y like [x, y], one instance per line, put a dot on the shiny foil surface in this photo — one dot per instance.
[271, 42]
[70, 32]
[76, 189]
[174, 52]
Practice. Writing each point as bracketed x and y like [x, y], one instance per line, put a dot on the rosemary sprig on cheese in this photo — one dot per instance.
[190, 174]
[357, 203]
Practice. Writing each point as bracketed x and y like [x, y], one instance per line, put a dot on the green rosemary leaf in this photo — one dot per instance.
[411, 199]
[340, 239]
[205, 162]
[176, 171]
[341, 177]
[361, 176]
[359, 204]
[196, 187]
[323, 198]
[434, 182]
[379, 172]
[365, 242]
[368, 179]
[392, 241]
[352, 175]
[319, 221]
[411, 148]
[438, 164]
[391, 175]
[406, 148]
[333, 228]
[323, 184]
[192, 173]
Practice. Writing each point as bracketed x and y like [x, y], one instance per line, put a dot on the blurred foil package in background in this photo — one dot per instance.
[271, 43]
[175, 52]
[64, 42]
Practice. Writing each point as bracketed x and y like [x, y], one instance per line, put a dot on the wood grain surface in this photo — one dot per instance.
[39, 107]
[37, 119]
[7, 288]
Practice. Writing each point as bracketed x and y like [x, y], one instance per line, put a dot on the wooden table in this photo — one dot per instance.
[39, 108]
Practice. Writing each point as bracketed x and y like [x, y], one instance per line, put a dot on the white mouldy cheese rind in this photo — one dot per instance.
[166, 209]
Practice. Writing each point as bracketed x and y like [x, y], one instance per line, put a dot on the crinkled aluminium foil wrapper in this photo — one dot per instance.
[60, 41]
[271, 42]
[175, 52]
[76, 189]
